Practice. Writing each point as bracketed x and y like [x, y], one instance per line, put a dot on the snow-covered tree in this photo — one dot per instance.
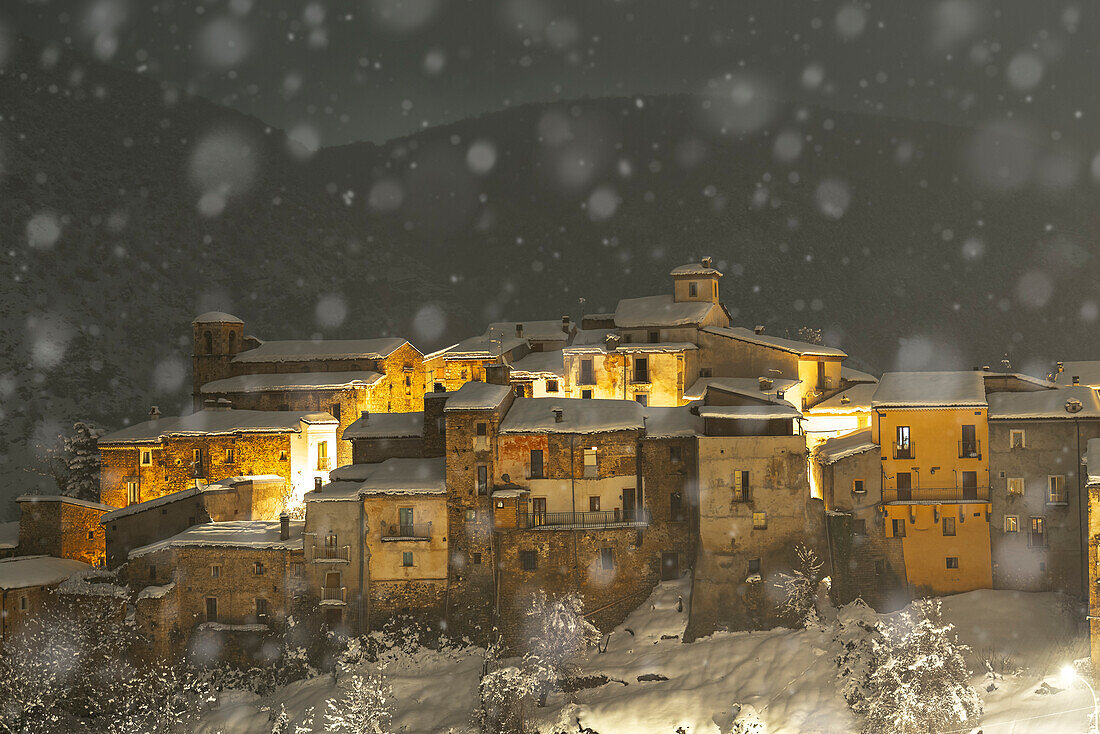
[809, 335]
[506, 695]
[365, 708]
[558, 632]
[855, 635]
[82, 462]
[921, 684]
[799, 588]
[281, 724]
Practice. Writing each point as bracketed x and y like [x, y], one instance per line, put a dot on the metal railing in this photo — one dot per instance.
[638, 517]
[407, 531]
[331, 552]
[970, 449]
[905, 451]
[334, 593]
[936, 494]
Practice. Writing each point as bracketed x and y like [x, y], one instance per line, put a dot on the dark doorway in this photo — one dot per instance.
[670, 566]
[970, 485]
[905, 486]
[628, 504]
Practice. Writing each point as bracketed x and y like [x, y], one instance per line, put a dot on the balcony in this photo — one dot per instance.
[334, 595]
[905, 450]
[413, 531]
[603, 519]
[970, 449]
[333, 553]
[936, 494]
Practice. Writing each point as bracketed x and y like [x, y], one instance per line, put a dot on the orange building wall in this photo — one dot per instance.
[925, 548]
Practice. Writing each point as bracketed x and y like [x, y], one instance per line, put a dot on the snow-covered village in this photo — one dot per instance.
[548, 367]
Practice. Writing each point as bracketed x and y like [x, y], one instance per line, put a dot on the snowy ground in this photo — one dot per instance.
[788, 676]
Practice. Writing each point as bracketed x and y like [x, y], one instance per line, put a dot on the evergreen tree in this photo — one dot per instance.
[559, 633]
[82, 462]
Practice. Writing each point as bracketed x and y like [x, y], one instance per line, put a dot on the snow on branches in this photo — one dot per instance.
[799, 589]
[365, 708]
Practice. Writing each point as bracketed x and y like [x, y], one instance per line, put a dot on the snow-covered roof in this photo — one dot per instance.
[1092, 461]
[657, 348]
[477, 396]
[540, 364]
[510, 492]
[1041, 404]
[1088, 371]
[64, 500]
[748, 386]
[633, 313]
[802, 349]
[96, 582]
[156, 592]
[856, 399]
[387, 425]
[251, 534]
[749, 412]
[9, 535]
[929, 390]
[694, 269]
[390, 477]
[485, 346]
[24, 572]
[850, 374]
[193, 491]
[672, 422]
[216, 317]
[302, 350]
[534, 331]
[206, 422]
[292, 381]
[590, 337]
[536, 415]
[840, 447]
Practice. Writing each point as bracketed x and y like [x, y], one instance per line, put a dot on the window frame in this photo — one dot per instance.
[1014, 522]
[759, 520]
[528, 559]
[407, 559]
[1057, 497]
[145, 457]
[1012, 433]
[1018, 482]
[949, 566]
[948, 522]
[859, 486]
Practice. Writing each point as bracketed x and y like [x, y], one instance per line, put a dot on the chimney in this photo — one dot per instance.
[317, 484]
[559, 415]
[154, 413]
[706, 262]
[1077, 379]
[1061, 366]
[985, 368]
[210, 404]
[519, 329]
[284, 526]
[565, 324]
[611, 342]
[758, 329]
[844, 399]
[765, 384]
[364, 415]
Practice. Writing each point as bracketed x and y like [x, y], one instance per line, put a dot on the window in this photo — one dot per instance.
[759, 520]
[152, 571]
[196, 456]
[674, 454]
[211, 609]
[898, 527]
[476, 558]
[590, 462]
[858, 486]
[641, 398]
[258, 569]
[693, 289]
[334, 409]
[593, 504]
[948, 526]
[482, 479]
[740, 486]
[296, 570]
[1012, 524]
[528, 560]
[586, 377]
[953, 562]
[551, 386]
[1015, 485]
[1057, 490]
[22, 603]
[586, 394]
[676, 507]
[880, 567]
[438, 387]
[628, 338]
[859, 527]
[132, 496]
[903, 447]
[230, 456]
[754, 565]
[405, 521]
[641, 369]
[536, 464]
[146, 457]
[282, 456]
[322, 455]
[1016, 438]
[91, 534]
[261, 608]
[407, 559]
[706, 372]
[208, 342]
[232, 342]
[215, 572]
[519, 390]
[471, 515]
[1037, 538]
[654, 336]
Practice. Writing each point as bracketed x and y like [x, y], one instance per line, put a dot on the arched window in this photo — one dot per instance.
[232, 342]
[208, 338]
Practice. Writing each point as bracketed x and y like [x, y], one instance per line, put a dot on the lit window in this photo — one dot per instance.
[1012, 524]
[471, 515]
[1057, 489]
[759, 520]
[146, 457]
[1037, 538]
[230, 456]
[257, 569]
[590, 462]
[132, 495]
[1015, 485]
[740, 486]
[1016, 439]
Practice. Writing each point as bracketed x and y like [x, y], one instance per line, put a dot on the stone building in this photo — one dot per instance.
[1092, 560]
[9, 538]
[377, 437]
[236, 498]
[865, 562]
[1038, 526]
[471, 359]
[63, 527]
[221, 351]
[25, 583]
[648, 373]
[165, 455]
[539, 375]
[233, 581]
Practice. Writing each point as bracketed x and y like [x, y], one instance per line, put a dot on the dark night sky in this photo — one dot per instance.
[374, 69]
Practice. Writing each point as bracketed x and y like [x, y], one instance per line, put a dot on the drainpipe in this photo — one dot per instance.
[573, 489]
[364, 589]
[1081, 514]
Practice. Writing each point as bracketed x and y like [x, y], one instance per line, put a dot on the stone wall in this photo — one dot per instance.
[63, 529]
[375, 450]
[423, 602]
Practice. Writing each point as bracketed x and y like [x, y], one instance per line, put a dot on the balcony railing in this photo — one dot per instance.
[970, 449]
[334, 594]
[408, 531]
[638, 517]
[936, 494]
[331, 552]
[905, 451]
